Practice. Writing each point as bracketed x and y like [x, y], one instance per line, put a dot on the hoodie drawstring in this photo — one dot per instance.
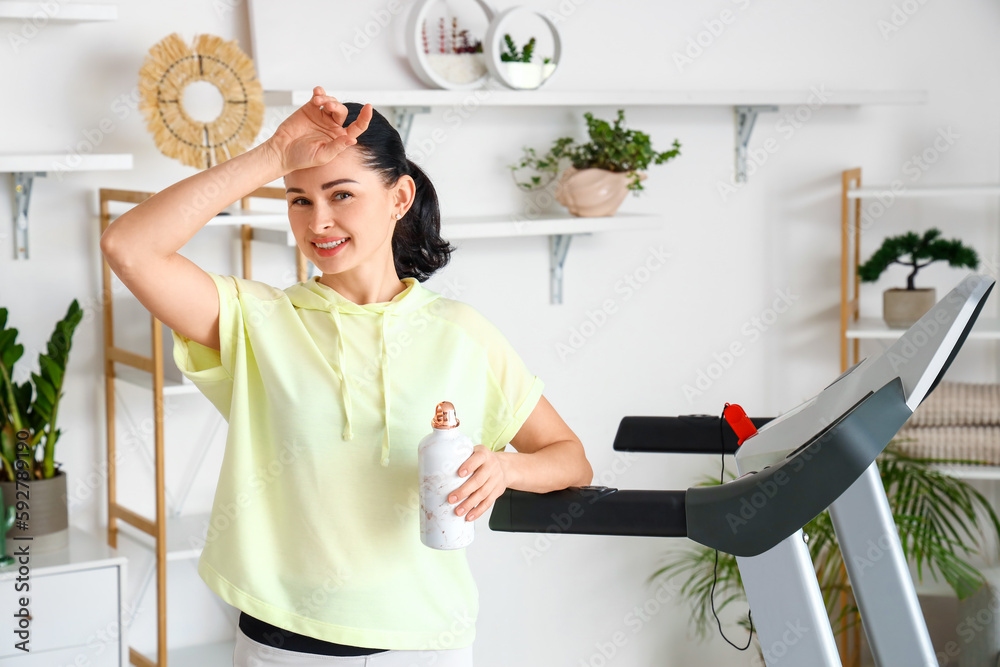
[385, 390]
[345, 393]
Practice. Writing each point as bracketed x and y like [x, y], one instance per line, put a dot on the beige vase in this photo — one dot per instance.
[592, 193]
[901, 308]
[48, 514]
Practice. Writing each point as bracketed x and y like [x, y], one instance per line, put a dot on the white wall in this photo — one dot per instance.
[729, 258]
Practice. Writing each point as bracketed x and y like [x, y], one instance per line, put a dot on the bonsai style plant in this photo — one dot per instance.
[601, 171]
[903, 307]
[941, 521]
[28, 417]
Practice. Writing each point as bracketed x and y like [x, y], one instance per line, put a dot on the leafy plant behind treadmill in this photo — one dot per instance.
[941, 520]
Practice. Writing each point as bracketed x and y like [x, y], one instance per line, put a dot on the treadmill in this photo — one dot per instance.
[819, 454]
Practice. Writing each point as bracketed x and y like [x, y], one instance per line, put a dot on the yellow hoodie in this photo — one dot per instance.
[314, 524]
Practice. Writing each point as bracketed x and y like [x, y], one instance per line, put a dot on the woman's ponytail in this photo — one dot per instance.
[417, 247]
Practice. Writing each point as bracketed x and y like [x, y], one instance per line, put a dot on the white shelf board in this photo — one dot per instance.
[200, 655]
[970, 471]
[185, 535]
[482, 227]
[45, 162]
[250, 218]
[541, 97]
[65, 12]
[983, 189]
[141, 378]
[985, 328]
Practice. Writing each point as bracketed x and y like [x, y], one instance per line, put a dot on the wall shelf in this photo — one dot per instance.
[986, 189]
[746, 104]
[66, 12]
[24, 167]
[559, 228]
[874, 328]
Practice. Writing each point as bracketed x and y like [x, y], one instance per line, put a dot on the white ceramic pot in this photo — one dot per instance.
[592, 193]
[523, 75]
[901, 308]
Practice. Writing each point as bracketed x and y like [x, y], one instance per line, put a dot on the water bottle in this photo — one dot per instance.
[439, 456]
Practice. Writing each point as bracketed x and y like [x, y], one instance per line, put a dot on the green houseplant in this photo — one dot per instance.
[941, 521]
[903, 307]
[28, 431]
[601, 171]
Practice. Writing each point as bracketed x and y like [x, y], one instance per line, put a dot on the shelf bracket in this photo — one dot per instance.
[403, 119]
[22, 182]
[744, 118]
[558, 247]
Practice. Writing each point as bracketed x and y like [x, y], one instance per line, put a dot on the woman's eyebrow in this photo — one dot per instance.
[325, 186]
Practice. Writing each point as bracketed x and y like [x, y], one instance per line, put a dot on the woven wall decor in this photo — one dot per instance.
[169, 68]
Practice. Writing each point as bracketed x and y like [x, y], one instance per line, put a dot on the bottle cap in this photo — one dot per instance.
[444, 416]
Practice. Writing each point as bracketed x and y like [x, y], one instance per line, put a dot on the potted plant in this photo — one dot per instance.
[903, 307]
[601, 171]
[941, 521]
[28, 416]
[521, 72]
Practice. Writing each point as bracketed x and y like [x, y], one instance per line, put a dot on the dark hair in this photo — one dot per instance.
[417, 247]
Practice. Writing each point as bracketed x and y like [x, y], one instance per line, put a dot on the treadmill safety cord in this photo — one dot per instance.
[744, 429]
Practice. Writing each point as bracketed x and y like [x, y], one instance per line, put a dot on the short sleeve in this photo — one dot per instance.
[209, 369]
[513, 393]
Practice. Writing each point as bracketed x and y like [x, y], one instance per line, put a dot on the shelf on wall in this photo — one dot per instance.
[25, 166]
[746, 104]
[65, 12]
[985, 328]
[185, 536]
[503, 97]
[970, 471]
[483, 227]
[144, 379]
[985, 189]
[560, 228]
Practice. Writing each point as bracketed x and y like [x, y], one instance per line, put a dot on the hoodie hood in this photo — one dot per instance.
[314, 295]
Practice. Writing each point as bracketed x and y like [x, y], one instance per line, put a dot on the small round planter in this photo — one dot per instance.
[48, 514]
[592, 193]
[526, 76]
[901, 308]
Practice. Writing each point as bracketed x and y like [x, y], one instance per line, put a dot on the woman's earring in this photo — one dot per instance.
[398, 216]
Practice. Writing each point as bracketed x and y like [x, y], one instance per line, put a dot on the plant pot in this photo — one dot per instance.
[592, 193]
[48, 514]
[901, 308]
[523, 75]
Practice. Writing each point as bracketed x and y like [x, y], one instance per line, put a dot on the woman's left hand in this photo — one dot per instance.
[486, 482]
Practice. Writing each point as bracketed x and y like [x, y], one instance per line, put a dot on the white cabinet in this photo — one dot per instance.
[74, 604]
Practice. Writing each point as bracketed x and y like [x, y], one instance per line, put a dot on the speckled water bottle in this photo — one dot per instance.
[439, 456]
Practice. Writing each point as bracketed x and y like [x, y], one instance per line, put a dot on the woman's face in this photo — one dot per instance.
[344, 203]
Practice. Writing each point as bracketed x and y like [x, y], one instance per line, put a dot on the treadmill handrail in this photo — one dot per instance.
[752, 514]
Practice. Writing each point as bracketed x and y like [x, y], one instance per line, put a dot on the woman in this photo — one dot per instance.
[328, 386]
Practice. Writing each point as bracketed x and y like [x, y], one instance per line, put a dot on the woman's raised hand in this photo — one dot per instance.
[314, 134]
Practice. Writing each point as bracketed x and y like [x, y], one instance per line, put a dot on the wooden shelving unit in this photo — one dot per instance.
[171, 536]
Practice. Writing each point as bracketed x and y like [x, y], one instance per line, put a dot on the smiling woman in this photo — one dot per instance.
[327, 386]
[373, 209]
